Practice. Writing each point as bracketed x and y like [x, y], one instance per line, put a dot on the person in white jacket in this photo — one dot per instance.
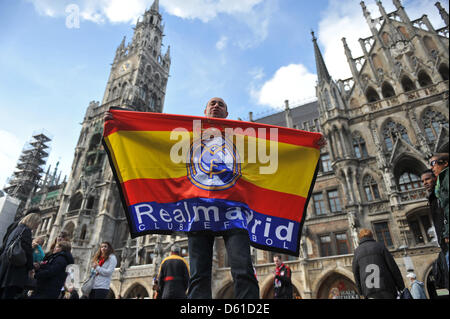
[103, 264]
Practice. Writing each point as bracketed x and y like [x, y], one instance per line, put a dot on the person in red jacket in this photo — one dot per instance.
[282, 279]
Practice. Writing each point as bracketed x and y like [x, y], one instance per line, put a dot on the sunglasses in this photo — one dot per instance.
[432, 163]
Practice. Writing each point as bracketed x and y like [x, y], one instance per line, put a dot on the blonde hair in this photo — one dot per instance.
[32, 220]
[365, 233]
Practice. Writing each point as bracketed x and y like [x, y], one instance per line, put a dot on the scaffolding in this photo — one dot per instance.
[30, 166]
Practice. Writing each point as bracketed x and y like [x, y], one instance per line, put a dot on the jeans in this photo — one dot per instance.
[98, 293]
[200, 264]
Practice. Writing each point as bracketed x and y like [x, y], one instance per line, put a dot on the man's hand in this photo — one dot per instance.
[108, 116]
[321, 142]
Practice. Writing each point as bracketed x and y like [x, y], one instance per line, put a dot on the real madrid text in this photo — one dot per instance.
[198, 214]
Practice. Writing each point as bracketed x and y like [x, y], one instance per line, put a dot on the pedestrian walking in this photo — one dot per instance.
[51, 272]
[376, 273]
[282, 279]
[103, 265]
[417, 287]
[173, 276]
[14, 278]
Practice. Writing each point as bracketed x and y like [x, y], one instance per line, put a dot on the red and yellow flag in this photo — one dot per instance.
[184, 173]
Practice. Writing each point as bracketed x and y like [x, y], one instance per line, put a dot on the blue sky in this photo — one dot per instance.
[254, 53]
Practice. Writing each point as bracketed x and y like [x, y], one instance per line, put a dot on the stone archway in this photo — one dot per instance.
[267, 291]
[136, 291]
[227, 291]
[337, 286]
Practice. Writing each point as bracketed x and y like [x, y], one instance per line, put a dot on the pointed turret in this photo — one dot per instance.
[442, 12]
[155, 6]
[322, 71]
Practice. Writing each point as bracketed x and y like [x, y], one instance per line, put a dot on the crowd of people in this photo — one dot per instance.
[44, 275]
[377, 276]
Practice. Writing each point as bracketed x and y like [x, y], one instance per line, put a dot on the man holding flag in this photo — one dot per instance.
[236, 241]
[214, 188]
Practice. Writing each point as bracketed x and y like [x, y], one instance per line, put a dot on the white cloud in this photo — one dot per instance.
[253, 14]
[346, 19]
[293, 82]
[206, 10]
[9, 154]
[128, 11]
[222, 43]
[98, 11]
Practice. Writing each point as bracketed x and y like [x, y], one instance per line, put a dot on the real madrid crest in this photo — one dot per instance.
[213, 164]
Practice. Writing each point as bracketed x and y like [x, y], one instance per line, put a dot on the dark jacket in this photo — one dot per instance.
[51, 275]
[437, 214]
[443, 198]
[11, 275]
[173, 278]
[283, 284]
[376, 272]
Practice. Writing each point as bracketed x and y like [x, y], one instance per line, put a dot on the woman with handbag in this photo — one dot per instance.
[103, 265]
[14, 275]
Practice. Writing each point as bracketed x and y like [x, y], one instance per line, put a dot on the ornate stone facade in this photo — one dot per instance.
[382, 125]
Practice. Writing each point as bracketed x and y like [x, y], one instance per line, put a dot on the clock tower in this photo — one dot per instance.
[90, 210]
[139, 72]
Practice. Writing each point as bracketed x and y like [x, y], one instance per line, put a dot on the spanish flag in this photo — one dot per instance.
[181, 173]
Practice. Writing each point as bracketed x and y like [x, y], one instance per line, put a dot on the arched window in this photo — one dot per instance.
[407, 84]
[75, 202]
[359, 146]
[443, 71]
[372, 95]
[377, 62]
[386, 38]
[95, 141]
[335, 97]
[90, 202]
[371, 188]
[83, 232]
[424, 79]
[408, 181]
[327, 100]
[420, 223]
[403, 32]
[429, 43]
[432, 121]
[113, 93]
[391, 132]
[387, 90]
[153, 102]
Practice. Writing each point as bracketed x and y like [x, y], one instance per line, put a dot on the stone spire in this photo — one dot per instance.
[155, 6]
[322, 71]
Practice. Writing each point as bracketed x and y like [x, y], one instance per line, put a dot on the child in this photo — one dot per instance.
[38, 252]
